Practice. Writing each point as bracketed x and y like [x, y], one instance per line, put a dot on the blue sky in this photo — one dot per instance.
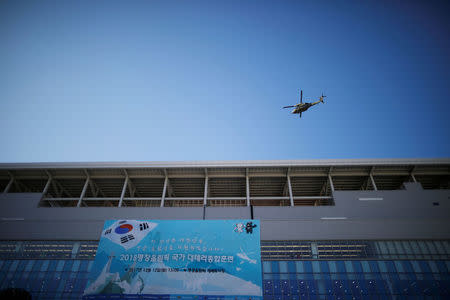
[206, 80]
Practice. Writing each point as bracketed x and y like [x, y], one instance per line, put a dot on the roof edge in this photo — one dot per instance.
[227, 164]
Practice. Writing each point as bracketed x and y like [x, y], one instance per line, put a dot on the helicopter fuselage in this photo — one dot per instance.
[301, 108]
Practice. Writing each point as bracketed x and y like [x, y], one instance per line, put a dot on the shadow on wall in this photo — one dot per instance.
[15, 294]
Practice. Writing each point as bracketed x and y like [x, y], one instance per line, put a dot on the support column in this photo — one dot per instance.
[131, 186]
[331, 183]
[83, 192]
[47, 186]
[373, 182]
[166, 182]
[247, 187]
[10, 183]
[205, 195]
[411, 174]
[123, 191]
[291, 198]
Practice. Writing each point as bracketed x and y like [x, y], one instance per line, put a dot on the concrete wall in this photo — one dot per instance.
[401, 214]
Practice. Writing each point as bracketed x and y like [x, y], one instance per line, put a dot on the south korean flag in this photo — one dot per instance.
[128, 233]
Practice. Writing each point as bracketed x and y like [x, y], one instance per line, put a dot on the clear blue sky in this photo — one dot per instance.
[206, 80]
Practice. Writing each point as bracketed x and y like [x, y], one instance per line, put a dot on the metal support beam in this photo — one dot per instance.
[285, 187]
[411, 174]
[19, 185]
[163, 196]
[331, 183]
[47, 186]
[8, 186]
[323, 190]
[58, 186]
[50, 182]
[291, 198]
[83, 192]
[185, 198]
[247, 187]
[53, 183]
[373, 182]
[63, 189]
[124, 189]
[14, 181]
[131, 187]
[58, 193]
[205, 194]
[170, 192]
[94, 189]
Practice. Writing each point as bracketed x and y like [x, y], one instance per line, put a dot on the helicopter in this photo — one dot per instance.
[301, 107]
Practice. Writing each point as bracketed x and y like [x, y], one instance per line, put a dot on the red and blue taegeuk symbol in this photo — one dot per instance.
[124, 228]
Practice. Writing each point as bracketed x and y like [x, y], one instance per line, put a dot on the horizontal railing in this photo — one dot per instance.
[209, 200]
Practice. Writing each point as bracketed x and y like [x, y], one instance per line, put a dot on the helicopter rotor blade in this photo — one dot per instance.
[288, 106]
[301, 96]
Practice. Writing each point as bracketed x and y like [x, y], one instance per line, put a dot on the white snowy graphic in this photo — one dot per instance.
[171, 283]
[128, 233]
[244, 256]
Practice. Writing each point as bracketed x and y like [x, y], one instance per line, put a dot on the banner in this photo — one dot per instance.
[162, 259]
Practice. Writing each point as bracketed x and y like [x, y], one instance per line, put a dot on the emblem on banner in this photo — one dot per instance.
[249, 227]
[239, 227]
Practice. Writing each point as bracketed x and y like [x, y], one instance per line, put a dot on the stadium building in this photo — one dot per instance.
[330, 229]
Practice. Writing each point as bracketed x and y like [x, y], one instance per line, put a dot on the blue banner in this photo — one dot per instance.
[162, 259]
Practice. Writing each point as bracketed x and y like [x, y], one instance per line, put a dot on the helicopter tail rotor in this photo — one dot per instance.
[321, 98]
